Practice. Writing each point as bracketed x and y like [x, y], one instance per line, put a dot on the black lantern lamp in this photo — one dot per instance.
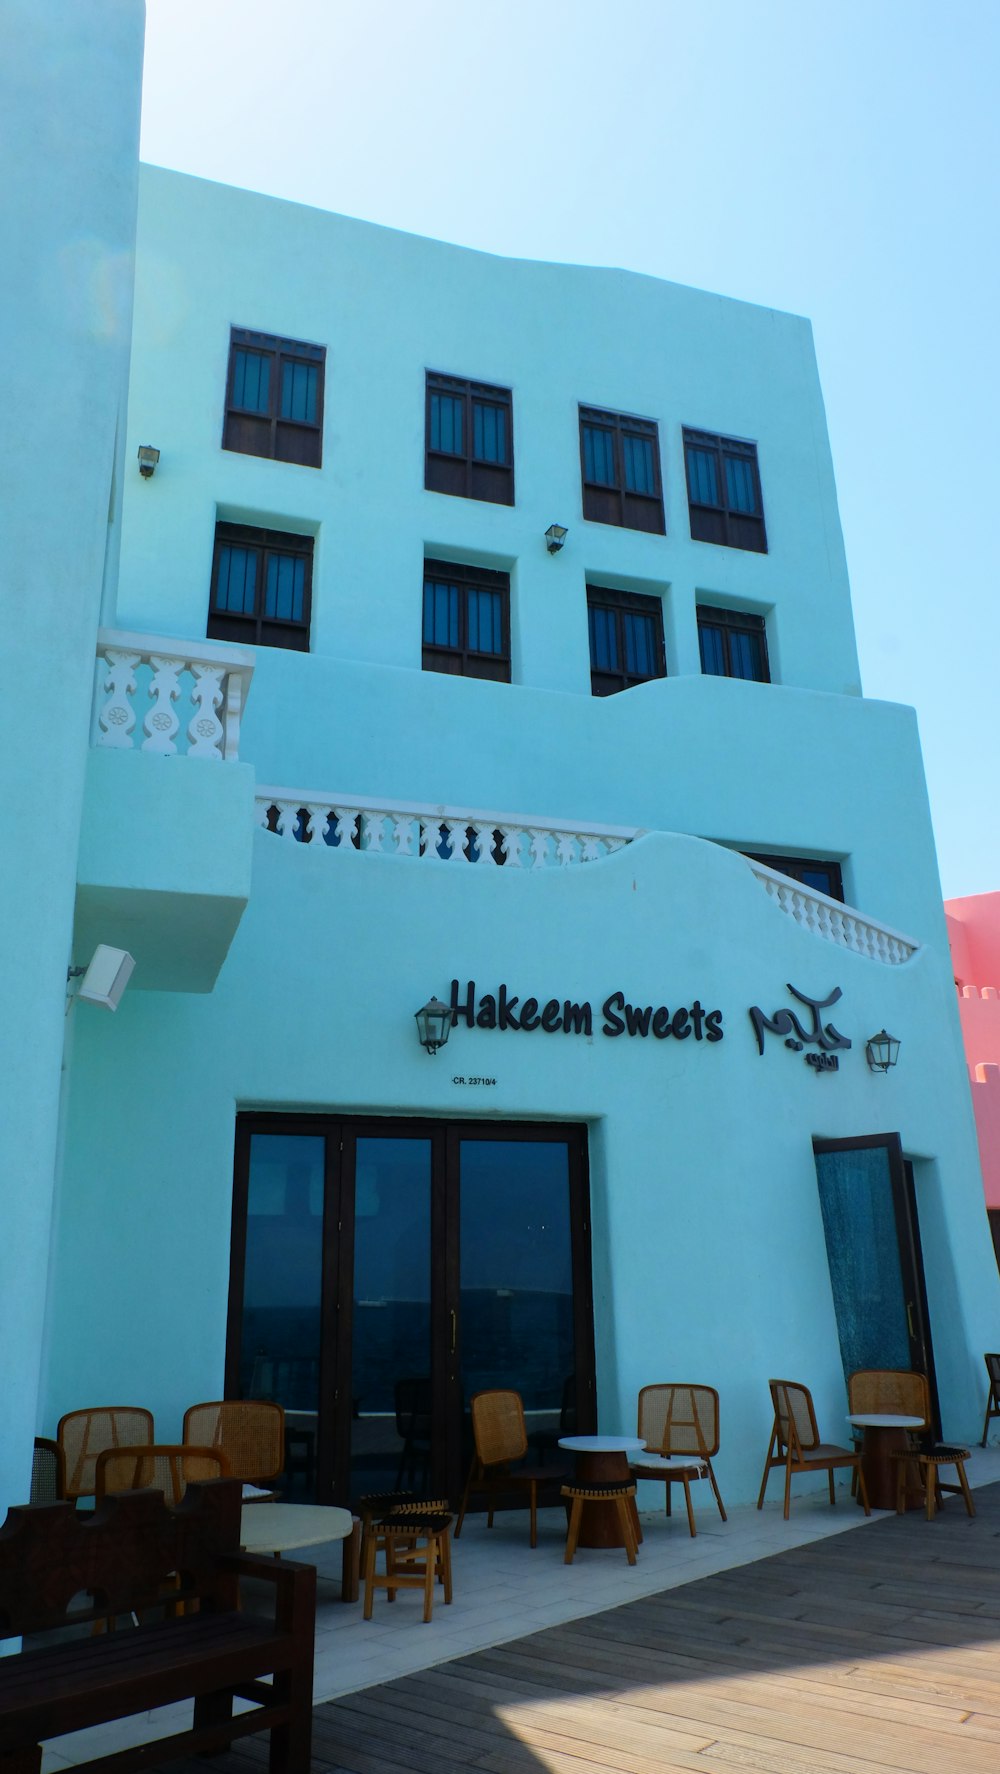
[555, 536]
[882, 1051]
[433, 1024]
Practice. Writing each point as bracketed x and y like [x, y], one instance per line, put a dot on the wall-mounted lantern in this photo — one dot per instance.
[882, 1051]
[148, 458]
[555, 536]
[433, 1024]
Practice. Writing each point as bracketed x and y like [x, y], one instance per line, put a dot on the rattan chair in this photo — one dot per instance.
[48, 1472]
[678, 1420]
[993, 1395]
[795, 1443]
[83, 1435]
[250, 1432]
[899, 1391]
[501, 1439]
[166, 1467]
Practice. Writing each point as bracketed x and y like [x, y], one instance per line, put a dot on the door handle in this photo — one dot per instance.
[909, 1318]
[454, 1329]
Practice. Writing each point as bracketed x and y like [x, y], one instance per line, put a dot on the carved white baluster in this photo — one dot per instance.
[117, 717]
[232, 715]
[288, 820]
[405, 831]
[162, 722]
[374, 832]
[483, 835]
[448, 832]
[510, 844]
[566, 848]
[591, 849]
[205, 730]
[539, 846]
[263, 812]
[346, 817]
[317, 815]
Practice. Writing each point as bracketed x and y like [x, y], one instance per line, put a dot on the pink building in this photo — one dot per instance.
[974, 933]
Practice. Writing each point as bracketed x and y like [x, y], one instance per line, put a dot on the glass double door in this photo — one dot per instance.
[385, 1271]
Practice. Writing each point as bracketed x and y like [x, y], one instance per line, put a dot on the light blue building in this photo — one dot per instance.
[482, 633]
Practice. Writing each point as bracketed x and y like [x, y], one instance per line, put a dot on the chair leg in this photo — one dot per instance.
[625, 1523]
[687, 1498]
[986, 1419]
[573, 1531]
[533, 1496]
[446, 1563]
[963, 1481]
[368, 1560]
[767, 1469]
[430, 1567]
[863, 1489]
[833, 1488]
[668, 1487]
[788, 1485]
[715, 1487]
[930, 1477]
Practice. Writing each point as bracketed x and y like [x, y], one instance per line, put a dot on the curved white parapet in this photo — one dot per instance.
[841, 924]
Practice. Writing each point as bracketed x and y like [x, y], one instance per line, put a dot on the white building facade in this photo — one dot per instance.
[366, 732]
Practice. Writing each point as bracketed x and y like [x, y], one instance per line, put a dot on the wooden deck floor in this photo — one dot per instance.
[873, 1650]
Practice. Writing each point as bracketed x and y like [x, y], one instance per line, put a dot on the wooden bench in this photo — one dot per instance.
[179, 1571]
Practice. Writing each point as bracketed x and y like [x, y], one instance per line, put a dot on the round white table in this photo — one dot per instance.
[281, 1527]
[602, 1459]
[885, 1434]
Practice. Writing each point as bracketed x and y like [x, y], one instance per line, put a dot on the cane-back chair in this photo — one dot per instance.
[796, 1445]
[250, 1432]
[166, 1467]
[993, 1395]
[48, 1471]
[501, 1440]
[679, 1424]
[83, 1435]
[892, 1389]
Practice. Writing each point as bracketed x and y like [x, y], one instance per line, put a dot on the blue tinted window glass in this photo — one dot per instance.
[283, 1270]
[713, 649]
[819, 878]
[741, 491]
[640, 645]
[237, 581]
[484, 621]
[299, 385]
[599, 456]
[440, 614]
[603, 640]
[703, 479]
[285, 592]
[251, 381]
[639, 471]
[744, 655]
[489, 433]
[446, 424]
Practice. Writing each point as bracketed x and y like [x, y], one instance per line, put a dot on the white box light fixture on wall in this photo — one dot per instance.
[104, 981]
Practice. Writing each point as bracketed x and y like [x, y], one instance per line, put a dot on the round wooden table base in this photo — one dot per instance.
[599, 1525]
[881, 1470]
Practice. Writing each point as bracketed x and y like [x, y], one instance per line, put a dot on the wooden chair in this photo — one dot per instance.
[993, 1395]
[250, 1432]
[929, 1460]
[82, 1435]
[674, 1421]
[619, 1494]
[166, 1467]
[795, 1443]
[48, 1472]
[501, 1439]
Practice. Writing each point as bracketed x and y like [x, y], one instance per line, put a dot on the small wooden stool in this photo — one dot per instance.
[619, 1494]
[929, 1460]
[379, 1504]
[417, 1549]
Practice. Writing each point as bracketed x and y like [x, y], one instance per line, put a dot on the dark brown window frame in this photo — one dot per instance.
[795, 868]
[251, 433]
[738, 621]
[463, 475]
[459, 661]
[259, 629]
[604, 504]
[719, 523]
[641, 604]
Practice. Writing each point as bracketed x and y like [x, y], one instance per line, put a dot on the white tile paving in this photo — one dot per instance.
[503, 1590]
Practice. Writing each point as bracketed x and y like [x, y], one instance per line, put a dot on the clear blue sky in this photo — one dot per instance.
[839, 160]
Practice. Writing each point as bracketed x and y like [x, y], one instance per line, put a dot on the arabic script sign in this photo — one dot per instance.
[818, 1034]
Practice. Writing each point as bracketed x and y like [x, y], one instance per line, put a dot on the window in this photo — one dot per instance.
[261, 587]
[274, 398]
[724, 491]
[825, 877]
[469, 440]
[466, 621]
[733, 644]
[626, 639]
[620, 462]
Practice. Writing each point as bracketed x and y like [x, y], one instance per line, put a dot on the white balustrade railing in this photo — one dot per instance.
[146, 675]
[837, 923]
[451, 834]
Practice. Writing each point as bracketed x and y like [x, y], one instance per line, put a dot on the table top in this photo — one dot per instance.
[884, 1420]
[601, 1444]
[279, 1527]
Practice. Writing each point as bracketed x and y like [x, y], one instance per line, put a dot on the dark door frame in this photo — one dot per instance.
[911, 1264]
[342, 1133]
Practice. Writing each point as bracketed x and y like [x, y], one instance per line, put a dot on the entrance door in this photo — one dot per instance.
[385, 1271]
[873, 1248]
